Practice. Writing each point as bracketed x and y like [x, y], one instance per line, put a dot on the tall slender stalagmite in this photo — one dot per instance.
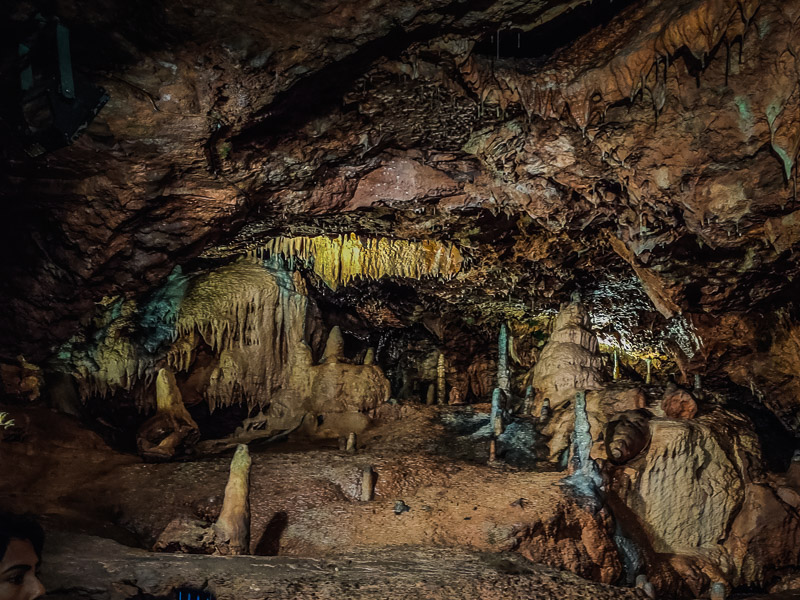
[232, 529]
[503, 379]
[441, 383]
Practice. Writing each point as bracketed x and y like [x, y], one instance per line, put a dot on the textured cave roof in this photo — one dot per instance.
[658, 146]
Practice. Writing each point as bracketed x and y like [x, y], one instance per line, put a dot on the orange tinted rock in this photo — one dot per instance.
[678, 403]
[764, 537]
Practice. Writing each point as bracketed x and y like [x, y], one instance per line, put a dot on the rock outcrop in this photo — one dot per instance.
[698, 501]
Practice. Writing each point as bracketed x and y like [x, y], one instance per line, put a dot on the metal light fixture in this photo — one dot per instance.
[56, 105]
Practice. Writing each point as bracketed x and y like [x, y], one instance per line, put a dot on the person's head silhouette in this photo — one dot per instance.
[21, 540]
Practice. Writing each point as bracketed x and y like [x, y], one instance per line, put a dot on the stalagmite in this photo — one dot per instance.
[352, 444]
[527, 404]
[496, 415]
[718, 591]
[502, 360]
[616, 365]
[440, 382]
[430, 397]
[367, 484]
[585, 478]
[334, 348]
[369, 357]
[232, 528]
[569, 363]
[649, 362]
[546, 412]
[626, 435]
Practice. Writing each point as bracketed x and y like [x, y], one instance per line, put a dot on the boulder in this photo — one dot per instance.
[677, 403]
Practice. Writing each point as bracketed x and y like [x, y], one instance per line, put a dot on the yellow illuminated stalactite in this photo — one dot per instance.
[340, 260]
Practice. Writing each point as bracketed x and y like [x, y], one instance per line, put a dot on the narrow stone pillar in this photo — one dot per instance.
[615, 374]
[352, 444]
[168, 398]
[497, 414]
[440, 382]
[527, 404]
[698, 383]
[503, 381]
[718, 591]
[232, 529]
[367, 484]
[430, 398]
[546, 412]
[649, 362]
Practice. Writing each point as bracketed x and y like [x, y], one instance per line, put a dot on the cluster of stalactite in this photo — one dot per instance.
[252, 320]
[341, 259]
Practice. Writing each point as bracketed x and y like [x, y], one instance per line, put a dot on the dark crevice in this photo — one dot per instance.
[545, 40]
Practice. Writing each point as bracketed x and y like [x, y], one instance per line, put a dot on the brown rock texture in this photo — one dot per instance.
[313, 507]
[677, 403]
[765, 536]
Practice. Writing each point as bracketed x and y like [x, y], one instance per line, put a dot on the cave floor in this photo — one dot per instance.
[312, 536]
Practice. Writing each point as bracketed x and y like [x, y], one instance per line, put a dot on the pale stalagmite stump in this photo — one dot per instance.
[160, 437]
[232, 529]
[334, 348]
[369, 357]
[168, 398]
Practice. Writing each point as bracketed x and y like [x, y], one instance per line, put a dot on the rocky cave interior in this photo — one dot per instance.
[433, 299]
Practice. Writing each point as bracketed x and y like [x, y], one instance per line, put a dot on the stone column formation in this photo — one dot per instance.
[570, 362]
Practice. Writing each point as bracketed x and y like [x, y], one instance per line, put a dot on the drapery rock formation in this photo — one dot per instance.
[693, 497]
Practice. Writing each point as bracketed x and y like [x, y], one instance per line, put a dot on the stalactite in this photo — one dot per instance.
[341, 259]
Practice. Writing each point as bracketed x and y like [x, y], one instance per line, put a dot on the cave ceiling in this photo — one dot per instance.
[642, 154]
